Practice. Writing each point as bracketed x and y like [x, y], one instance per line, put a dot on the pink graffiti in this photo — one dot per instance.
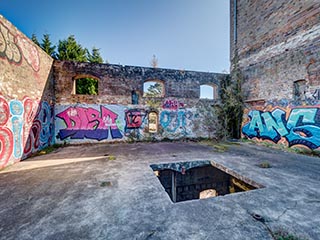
[30, 52]
[89, 123]
[6, 143]
[25, 127]
[172, 104]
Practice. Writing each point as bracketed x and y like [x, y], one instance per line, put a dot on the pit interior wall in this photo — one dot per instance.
[278, 44]
[26, 96]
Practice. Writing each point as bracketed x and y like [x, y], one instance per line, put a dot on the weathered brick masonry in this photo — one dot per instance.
[278, 44]
[112, 116]
[26, 96]
[39, 106]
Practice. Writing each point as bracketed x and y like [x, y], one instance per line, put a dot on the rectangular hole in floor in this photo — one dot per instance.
[200, 179]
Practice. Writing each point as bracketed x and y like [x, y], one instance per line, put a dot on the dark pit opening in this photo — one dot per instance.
[200, 179]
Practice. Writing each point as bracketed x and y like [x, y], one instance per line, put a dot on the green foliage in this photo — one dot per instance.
[154, 90]
[87, 86]
[232, 101]
[209, 120]
[35, 39]
[94, 56]
[70, 50]
[285, 235]
[265, 165]
[47, 46]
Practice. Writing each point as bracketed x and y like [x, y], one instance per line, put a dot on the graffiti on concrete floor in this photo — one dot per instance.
[300, 126]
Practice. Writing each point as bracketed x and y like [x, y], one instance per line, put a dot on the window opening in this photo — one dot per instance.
[86, 86]
[153, 122]
[208, 92]
[134, 97]
[153, 89]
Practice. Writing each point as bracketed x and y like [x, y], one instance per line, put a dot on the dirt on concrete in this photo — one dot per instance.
[109, 191]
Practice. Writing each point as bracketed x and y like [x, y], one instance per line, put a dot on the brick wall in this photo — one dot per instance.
[278, 44]
[111, 115]
[26, 96]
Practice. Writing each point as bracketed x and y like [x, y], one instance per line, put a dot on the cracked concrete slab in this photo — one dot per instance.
[78, 192]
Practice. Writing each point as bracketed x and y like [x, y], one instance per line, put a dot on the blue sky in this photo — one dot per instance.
[183, 34]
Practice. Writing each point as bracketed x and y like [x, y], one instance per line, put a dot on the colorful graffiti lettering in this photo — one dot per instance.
[172, 105]
[89, 123]
[25, 126]
[8, 46]
[301, 127]
[134, 119]
[173, 121]
[14, 47]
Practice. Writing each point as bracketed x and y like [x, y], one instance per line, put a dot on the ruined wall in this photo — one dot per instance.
[113, 116]
[278, 44]
[26, 96]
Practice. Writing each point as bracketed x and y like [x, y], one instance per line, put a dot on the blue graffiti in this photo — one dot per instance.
[172, 121]
[302, 126]
[16, 109]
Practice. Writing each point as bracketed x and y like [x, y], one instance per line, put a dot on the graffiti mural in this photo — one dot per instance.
[89, 123]
[135, 120]
[298, 126]
[176, 121]
[8, 46]
[14, 47]
[25, 127]
[172, 104]
[29, 52]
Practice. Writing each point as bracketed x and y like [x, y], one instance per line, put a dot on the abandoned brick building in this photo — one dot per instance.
[39, 105]
[277, 48]
[277, 44]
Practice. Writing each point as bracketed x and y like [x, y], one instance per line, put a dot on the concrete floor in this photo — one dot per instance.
[62, 195]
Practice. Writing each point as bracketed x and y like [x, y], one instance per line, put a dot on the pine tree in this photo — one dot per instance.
[70, 50]
[94, 56]
[47, 46]
[35, 39]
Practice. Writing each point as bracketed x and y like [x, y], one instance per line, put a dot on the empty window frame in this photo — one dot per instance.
[153, 122]
[87, 85]
[153, 88]
[208, 91]
[134, 97]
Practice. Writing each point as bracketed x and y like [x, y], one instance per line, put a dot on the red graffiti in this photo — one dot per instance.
[134, 118]
[6, 146]
[25, 127]
[4, 111]
[172, 104]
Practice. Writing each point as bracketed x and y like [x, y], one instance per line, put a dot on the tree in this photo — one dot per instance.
[35, 39]
[87, 86]
[47, 46]
[232, 107]
[154, 90]
[70, 50]
[94, 56]
[154, 61]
